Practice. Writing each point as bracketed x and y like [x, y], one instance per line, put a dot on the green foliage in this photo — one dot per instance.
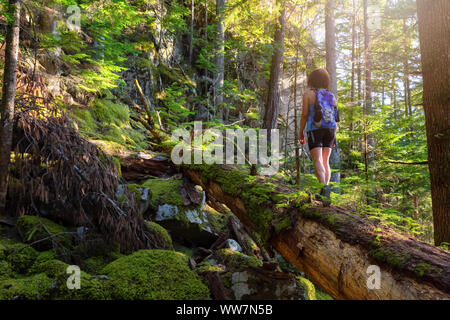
[308, 287]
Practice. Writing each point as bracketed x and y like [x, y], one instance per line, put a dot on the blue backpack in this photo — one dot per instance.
[325, 112]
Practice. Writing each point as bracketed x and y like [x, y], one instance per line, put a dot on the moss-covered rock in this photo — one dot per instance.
[56, 270]
[33, 228]
[2, 251]
[36, 287]
[163, 192]
[205, 266]
[154, 274]
[94, 265]
[21, 257]
[162, 233]
[5, 270]
[52, 268]
[235, 260]
[45, 256]
[90, 289]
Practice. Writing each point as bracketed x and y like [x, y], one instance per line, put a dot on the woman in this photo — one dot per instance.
[321, 138]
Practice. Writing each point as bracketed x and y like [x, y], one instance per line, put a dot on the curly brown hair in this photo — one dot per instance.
[319, 79]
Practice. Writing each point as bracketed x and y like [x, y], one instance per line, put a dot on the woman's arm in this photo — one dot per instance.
[304, 117]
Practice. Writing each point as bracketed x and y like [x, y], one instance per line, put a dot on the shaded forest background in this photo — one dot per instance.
[174, 50]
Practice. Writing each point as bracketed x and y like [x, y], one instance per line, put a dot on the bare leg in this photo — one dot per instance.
[326, 163]
[316, 155]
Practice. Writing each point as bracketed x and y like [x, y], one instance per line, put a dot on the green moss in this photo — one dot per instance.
[207, 267]
[56, 270]
[154, 274]
[161, 233]
[282, 224]
[308, 287]
[94, 265]
[108, 111]
[90, 289]
[2, 251]
[5, 270]
[217, 220]
[164, 191]
[422, 268]
[45, 256]
[21, 257]
[35, 287]
[236, 260]
[52, 268]
[33, 228]
[393, 258]
[86, 122]
[322, 295]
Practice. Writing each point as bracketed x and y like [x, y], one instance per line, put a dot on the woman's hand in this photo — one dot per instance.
[302, 139]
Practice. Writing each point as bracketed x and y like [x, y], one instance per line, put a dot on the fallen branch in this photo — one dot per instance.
[333, 248]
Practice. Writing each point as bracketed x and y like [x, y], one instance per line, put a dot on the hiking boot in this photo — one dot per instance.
[326, 196]
[319, 196]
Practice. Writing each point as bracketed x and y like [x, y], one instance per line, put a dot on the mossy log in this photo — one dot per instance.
[333, 246]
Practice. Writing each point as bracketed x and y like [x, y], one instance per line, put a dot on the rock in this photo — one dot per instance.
[33, 228]
[249, 279]
[185, 223]
[235, 260]
[154, 274]
[254, 284]
[142, 196]
[233, 245]
[20, 256]
[161, 233]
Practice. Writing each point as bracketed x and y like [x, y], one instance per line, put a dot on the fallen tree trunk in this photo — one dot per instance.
[332, 246]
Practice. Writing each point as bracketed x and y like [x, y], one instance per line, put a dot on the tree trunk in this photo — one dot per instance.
[8, 97]
[368, 80]
[434, 31]
[191, 36]
[352, 89]
[220, 60]
[330, 40]
[273, 96]
[335, 248]
[296, 127]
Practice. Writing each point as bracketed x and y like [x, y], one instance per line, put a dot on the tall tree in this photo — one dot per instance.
[367, 110]
[220, 61]
[434, 32]
[8, 96]
[330, 43]
[273, 96]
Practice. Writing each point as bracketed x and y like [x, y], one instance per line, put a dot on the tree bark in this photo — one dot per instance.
[220, 61]
[333, 246]
[296, 127]
[434, 32]
[273, 96]
[330, 41]
[8, 97]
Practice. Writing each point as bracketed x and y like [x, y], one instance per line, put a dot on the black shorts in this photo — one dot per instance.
[321, 138]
